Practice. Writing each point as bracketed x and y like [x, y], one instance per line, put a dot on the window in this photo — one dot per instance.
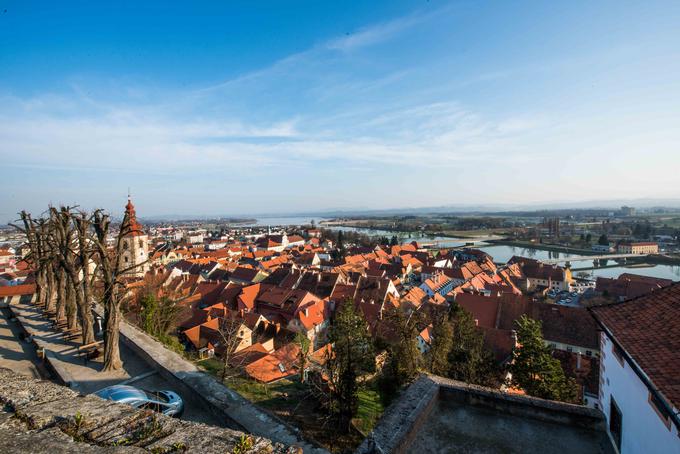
[618, 353]
[660, 410]
[589, 353]
[615, 422]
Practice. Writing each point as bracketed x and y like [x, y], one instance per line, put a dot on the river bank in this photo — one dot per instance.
[543, 246]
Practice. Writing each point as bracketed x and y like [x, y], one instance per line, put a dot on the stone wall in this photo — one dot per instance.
[402, 421]
[42, 417]
[237, 412]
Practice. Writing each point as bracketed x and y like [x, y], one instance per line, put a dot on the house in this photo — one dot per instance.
[314, 233]
[295, 241]
[14, 293]
[7, 260]
[540, 275]
[425, 339]
[640, 371]
[566, 328]
[207, 335]
[628, 285]
[439, 283]
[641, 248]
[310, 319]
[275, 366]
[246, 276]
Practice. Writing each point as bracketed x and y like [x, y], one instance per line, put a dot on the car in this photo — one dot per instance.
[574, 294]
[167, 402]
[568, 300]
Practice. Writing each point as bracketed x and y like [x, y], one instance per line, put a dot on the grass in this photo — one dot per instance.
[275, 396]
[212, 366]
[289, 399]
[370, 410]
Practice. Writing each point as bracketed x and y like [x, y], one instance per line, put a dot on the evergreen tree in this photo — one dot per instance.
[351, 356]
[441, 344]
[470, 361]
[394, 241]
[603, 240]
[340, 246]
[534, 369]
[404, 354]
[148, 313]
[304, 343]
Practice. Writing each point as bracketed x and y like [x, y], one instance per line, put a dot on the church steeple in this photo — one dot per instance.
[130, 219]
[134, 247]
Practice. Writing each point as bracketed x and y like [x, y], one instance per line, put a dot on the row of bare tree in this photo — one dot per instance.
[75, 266]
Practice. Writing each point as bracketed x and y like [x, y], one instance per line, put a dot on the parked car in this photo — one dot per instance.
[166, 402]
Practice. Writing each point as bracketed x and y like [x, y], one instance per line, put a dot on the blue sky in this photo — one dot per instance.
[255, 107]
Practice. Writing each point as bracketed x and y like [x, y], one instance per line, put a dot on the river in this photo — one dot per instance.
[502, 253]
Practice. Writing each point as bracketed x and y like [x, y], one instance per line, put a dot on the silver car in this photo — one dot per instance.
[166, 402]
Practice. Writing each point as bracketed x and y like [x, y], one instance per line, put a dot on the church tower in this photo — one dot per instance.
[135, 244]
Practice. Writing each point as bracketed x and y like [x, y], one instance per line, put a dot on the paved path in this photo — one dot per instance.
[87, 377]
[16, 354]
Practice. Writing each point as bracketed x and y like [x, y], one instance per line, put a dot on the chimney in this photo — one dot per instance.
[578, 361]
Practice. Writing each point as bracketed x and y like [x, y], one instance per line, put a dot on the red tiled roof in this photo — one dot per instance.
[648, 329]
[16, 290]
[275, 366]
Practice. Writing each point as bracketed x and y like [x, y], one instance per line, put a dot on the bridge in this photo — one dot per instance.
[592, 258]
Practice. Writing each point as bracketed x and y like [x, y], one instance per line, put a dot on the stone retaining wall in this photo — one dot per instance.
[42, 417]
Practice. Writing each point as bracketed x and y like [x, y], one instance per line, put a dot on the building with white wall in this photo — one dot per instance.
[134, 245]
[640, 371]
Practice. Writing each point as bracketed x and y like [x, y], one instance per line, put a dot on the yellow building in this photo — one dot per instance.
[641, 248]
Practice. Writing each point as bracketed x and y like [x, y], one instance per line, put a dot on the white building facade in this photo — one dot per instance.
[636, 419]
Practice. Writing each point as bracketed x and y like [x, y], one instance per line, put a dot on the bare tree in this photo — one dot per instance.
[65, 238]
[231, 338]
[36, 257]
[111, 272]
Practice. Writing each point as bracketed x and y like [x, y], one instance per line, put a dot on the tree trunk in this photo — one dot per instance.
[61, 295]
[112, 359]
[71, 309]
[84, 310]
[40, 290]
[49, 300]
